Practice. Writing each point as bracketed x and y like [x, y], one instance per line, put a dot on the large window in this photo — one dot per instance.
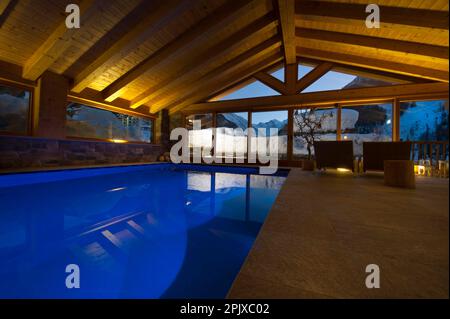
[88, 122]
[271, 127]
[14, 110]
[366, 123]
[255, 89]
[334, 80]
[424, 120]
[313, 125]
[200, 130]
[231, 135]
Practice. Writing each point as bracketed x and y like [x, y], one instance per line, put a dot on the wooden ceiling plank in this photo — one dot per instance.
[192, 38]
[221, 84]
[136, 35]
[358, 95]
[439, 52]
[286, 11]
[225, 69]
[389, 14]
[313, 76]
[56, 44]
[370, 63]
[221, 50]
[271, 82]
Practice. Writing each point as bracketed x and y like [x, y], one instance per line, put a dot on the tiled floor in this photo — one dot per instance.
[326, 228]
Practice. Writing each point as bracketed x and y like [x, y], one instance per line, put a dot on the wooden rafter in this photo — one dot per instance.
[271, 82]
[224, 70]
[286, 11]
[190, 39]
[201, 61]
[218, 86]
[433, 51]
[229, 89]
[313, 76]
[3, 5]
[358, 95]
[290, 77]
[56, 44]
[346, 12]
[378, 75]
[6, 7]
[155, 20]
[218, 83]
[93, 97]
[370, 63]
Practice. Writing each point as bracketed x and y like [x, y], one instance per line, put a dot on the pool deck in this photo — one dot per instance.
[325, 228]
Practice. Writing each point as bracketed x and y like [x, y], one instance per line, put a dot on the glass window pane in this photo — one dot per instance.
[366, 123]
[279, 74]
[14, 108]
[255, 89]
[90, 122]
[303, 70]
[424, 120]
[263, 122]
[334, 80]
[200, 137]
[232, 134]
[323, 122]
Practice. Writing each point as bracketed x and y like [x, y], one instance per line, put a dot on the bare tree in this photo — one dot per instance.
[308, 125]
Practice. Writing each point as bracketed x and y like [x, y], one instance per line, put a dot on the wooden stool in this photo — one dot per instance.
[399, 173]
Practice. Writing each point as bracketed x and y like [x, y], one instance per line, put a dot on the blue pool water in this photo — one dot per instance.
[151, 231]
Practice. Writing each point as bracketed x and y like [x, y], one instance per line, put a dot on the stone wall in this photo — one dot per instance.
[31, 152]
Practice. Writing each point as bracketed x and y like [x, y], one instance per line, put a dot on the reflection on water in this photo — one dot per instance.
[148, 234]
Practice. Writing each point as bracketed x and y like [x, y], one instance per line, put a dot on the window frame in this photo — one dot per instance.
[30, 113]
[94, 139]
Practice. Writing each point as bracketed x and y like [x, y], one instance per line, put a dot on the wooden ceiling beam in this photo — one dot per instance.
[370, 63]
[272, 82]
[6, 7]
[224, 70]
[56, 44]
[192, 38]
[217, 83]
[313, 76]
[286, 11]
[3, 5]
[201, 60]
[373, 42]
[155, 20]
[94, 98]
[358, 95]
[357, 12]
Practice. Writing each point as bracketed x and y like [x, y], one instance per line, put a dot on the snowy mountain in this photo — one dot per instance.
[231, 120]
[234, 120]
[280, 125]
[360, 82]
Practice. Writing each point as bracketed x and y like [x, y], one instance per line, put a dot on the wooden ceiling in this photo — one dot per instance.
[160, 54]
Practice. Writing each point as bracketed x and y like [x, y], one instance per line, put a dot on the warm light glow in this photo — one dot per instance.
[419, 170]
[342, 170]
[345, 137]
[118, 141]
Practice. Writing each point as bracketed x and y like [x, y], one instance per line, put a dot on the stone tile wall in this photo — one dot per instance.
[29, 152]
